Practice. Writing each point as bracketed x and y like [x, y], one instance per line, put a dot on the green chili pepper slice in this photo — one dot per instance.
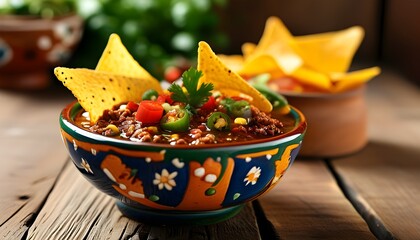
[150, 94]
[277, 100]
[176, 120]
[241, 109]
[219, 121]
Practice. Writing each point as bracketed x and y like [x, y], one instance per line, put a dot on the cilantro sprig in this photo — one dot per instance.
[196, 95]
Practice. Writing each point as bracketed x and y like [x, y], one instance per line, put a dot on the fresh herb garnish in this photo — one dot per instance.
[196, 95]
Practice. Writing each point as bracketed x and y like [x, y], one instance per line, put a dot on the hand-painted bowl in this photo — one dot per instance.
[164, 184]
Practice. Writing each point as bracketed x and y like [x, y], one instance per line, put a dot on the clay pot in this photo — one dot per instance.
[337, 123]
[30, 47]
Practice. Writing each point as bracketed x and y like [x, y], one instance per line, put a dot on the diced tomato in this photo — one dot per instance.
[210, 104]
[161, 99]
[132, 106]
[172, 74]
[237, 98]
[164, 98]
[149, 112]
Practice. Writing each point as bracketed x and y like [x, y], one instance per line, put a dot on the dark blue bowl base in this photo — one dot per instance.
[156, 217]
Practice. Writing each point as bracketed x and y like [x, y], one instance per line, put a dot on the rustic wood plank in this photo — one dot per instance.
[242, 226]
[77, 210]
[309, 204]
[30, 148]
[383, 179]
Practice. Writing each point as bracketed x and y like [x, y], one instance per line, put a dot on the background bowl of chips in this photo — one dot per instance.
[312, 72]
[164, 184]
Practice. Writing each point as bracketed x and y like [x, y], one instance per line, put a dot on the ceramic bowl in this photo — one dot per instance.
[30, 46]
[337, 122]
[164, 184]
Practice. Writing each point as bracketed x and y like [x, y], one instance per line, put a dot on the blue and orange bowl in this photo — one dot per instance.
[165, 184]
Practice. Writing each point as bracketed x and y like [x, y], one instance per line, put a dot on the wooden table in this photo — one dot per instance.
[374, 193]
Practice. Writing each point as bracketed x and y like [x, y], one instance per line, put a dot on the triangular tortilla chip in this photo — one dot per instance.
[97, 91]
[260, 65]
[248, 49]
[347, 81]
[312, 78]
[225, 80]
[116, 59]
[234, 62]
[278, 43]
[332, 51]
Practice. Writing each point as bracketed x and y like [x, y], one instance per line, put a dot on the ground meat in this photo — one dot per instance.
[259, 125]
[263, 124]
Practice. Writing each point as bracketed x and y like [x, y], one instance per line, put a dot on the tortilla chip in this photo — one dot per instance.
[259, 65]
[347, 81]
[248, 49]
[312, 78]
[225, 80]
[234, 62]
[278, 43]
[97, 91]
[332, 51]
[116, 59]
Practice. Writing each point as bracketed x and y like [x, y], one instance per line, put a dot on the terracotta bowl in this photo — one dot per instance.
[337, 122]
[30, 46]
[164, 184]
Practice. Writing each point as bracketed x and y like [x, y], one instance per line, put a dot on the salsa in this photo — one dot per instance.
[206, 126]
[187, 114]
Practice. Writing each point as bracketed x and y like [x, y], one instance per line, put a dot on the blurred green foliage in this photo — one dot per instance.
[40, 8]
[156, 32]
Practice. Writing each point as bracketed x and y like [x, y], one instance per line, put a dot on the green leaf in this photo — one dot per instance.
[196, 95]
[178, 94]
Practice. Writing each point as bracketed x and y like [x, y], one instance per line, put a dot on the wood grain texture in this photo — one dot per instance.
[383, 179]
[30, 161]
[308, 204]
[77, 210]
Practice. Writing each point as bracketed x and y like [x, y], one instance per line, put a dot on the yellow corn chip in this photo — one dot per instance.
[248, 49]
[332, 51]
[347, 81]
[225, 80]
[312, 78]
[259, 65]
[116, 59]
[234, 62]
[97, 91]
[278, 43]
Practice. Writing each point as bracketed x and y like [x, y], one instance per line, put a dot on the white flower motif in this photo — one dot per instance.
[86, 166]
[93, 151]
[253, 175]
[165, 180]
